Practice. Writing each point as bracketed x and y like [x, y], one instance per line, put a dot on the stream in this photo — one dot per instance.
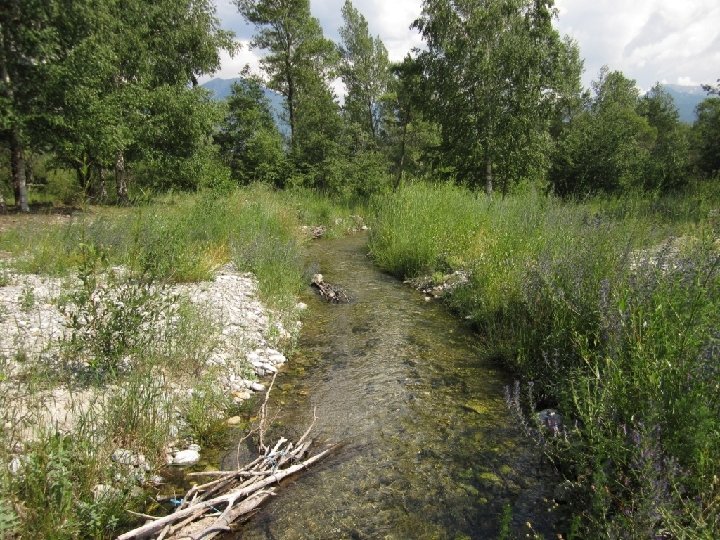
[428, 447]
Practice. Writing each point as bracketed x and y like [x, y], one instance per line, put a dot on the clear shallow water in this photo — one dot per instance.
[428, 447]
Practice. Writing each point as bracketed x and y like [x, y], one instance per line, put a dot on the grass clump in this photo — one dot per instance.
[611, 309]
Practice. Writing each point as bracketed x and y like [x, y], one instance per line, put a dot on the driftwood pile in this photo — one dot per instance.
[330, 293]
[210, 509]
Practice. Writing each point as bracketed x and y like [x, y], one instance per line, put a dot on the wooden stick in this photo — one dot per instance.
[228, 498]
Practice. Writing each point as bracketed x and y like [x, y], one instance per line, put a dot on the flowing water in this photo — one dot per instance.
[428, 447]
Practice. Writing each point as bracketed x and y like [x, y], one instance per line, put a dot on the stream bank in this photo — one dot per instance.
[429, 449]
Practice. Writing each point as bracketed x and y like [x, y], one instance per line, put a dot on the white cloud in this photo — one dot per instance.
[687, 81]
[230, 67]
[649, 40]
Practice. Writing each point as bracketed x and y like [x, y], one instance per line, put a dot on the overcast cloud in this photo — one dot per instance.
[649, 40]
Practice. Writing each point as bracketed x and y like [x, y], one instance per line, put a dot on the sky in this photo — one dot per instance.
[668, 41]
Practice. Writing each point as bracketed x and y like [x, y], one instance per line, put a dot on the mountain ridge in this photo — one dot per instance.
[686, 98]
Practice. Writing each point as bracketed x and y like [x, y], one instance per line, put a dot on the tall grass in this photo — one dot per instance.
[181, 238]
[610, 308]
[121, 350]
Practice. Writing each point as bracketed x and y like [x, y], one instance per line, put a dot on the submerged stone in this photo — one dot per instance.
[476, 406]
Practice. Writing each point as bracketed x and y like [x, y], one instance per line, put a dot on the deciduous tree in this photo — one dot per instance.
[608, 146]
[707, 135]
[496, 67]
[28, 41]
[364, 70]
[249, 138]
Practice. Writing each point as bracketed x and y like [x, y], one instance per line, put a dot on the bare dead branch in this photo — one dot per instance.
[209, 509]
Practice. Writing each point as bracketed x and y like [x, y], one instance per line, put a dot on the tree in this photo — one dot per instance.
[410, 137]
[607, 147]
[707, 135]
[113, 64]
[712, 89]
[668, 160]
[496, 67]
[300, 60]
[364, 70]
[27, 42]
[249, 138]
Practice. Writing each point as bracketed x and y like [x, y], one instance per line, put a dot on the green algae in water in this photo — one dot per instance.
[418, 412]
[477, 406]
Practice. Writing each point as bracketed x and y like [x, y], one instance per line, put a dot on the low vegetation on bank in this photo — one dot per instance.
[126, 360]
[606, 309]
[608, 312]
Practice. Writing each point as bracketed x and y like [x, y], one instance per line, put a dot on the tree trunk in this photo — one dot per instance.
[488, 177]
[17, 165]
[3, 207]
[121, 178]
[17, 162]
[102, 188]
[401, 164]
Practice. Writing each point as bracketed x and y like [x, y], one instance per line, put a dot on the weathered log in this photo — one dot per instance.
[330, 293]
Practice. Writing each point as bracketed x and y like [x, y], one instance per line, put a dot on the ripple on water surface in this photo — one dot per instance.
[428, 447]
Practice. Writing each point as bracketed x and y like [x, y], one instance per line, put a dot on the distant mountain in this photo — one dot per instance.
[686, 99]
[221, 89]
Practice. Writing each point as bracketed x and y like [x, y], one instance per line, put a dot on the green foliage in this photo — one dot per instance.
[174, 143]
[27, 298]
[299, 63]
[55, 487]
[611, 309]
[8, 519]
[423, 228]
[496, 70]
[365, 72]
[707, 134]
[111, 317]
[410, 138]
[668, 164]
[249, 139]
[138, 416]
[622, 142]
[206, 411]
[104, 85]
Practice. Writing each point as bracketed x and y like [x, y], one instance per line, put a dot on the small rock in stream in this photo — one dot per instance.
[186, 457]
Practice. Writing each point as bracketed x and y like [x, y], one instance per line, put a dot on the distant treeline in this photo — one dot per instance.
[103, 90]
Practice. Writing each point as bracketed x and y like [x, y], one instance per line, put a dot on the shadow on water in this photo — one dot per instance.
[428, 447]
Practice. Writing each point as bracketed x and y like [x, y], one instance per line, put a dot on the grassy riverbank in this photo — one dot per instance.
[608, 311]
[132, 369]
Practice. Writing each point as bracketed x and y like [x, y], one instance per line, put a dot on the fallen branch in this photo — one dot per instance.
[330, 293]
[198, 509]
[211, 508]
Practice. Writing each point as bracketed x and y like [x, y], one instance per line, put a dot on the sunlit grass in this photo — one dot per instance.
[611, 308]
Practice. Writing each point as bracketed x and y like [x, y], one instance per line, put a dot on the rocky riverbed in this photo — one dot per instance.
[242, 342]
